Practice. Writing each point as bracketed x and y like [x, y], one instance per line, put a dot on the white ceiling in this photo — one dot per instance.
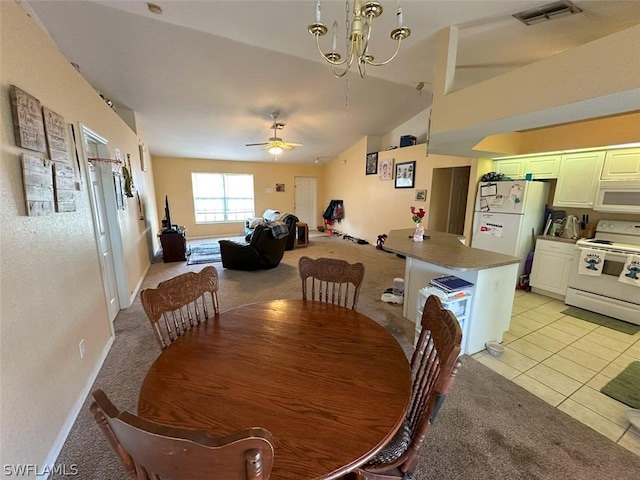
[204, 77]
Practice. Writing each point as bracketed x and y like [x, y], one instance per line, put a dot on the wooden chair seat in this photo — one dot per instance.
[181, 302]
[331, 280]
[150, 451]
[434, 364]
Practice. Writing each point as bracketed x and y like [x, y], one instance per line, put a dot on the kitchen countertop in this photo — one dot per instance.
[445, 250]
[557, 239]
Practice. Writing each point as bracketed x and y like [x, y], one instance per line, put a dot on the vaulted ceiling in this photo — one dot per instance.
[204, 76]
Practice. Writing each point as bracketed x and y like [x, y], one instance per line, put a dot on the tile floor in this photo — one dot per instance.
[565, 361]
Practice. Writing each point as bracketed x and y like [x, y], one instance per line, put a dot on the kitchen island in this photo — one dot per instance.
[494, 276]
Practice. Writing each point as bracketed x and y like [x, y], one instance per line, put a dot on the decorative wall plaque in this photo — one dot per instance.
[37, 176]
[27, 120]
[64, 183]
[56, 133]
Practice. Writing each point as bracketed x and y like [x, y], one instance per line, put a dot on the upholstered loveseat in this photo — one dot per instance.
[269, 215]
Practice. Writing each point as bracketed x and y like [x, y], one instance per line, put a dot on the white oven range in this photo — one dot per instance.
[604, 293]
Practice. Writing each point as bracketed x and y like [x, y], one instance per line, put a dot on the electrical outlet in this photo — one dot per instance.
[81, 348]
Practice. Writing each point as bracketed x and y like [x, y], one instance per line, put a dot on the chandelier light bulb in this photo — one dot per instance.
[275, 150]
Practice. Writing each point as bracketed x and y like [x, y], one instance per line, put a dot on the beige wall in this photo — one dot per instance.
[51, 285]
[172, 177]
[372, 206]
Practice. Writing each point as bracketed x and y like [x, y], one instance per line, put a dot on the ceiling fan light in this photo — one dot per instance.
[275, 150]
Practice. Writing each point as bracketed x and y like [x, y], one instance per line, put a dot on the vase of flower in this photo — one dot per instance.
[416, 215]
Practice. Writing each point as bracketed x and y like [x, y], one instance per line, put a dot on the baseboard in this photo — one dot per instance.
[137, 289]
[49, 462]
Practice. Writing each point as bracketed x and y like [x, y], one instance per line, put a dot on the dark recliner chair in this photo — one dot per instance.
[262, 252]
[291, 221]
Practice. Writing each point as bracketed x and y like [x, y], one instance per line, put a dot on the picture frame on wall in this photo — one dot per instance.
[405, 174]
[385, 169]
[421, 196]
[117, 183]
[371, 164]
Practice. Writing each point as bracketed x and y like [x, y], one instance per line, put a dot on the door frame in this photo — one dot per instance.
[112, 224]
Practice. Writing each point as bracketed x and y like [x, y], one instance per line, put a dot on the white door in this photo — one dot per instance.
[94, 146]
[305, 200]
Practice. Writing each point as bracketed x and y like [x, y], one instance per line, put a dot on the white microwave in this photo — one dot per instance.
[618, 196]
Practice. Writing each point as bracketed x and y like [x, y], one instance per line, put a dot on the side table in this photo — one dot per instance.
[302, 234]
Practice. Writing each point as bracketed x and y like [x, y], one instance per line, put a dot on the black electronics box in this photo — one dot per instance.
[407, 140]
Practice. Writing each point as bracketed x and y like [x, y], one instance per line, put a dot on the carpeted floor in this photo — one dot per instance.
[488, 428]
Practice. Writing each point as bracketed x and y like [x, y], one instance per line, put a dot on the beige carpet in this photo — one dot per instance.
[488, 428]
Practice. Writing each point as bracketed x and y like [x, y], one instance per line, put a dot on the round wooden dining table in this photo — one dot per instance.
[329, 383]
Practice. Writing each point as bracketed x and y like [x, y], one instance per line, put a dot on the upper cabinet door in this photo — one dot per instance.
[578, 179]
[512, 167]
[544, 167]
[623, 164]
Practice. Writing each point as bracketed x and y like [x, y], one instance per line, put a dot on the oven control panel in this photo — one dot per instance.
[619, 226]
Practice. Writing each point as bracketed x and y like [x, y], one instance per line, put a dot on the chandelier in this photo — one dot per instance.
[357, 38]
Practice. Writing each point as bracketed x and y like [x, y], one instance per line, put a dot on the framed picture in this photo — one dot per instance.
[117, 183]
[372, 164]
[279, 187]
[421, 196]
[385, 169]
[405, 175]
[144, 161]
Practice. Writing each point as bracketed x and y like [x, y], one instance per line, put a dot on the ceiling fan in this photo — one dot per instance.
[276, 145]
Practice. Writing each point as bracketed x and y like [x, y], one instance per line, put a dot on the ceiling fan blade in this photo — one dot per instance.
[295, 144]
[255, 144]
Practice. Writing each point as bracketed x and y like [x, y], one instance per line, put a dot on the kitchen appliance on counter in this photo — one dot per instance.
[614, 242]
[506, 213]
[571, 227]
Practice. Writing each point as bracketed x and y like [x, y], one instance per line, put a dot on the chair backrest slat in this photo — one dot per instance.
[331, 280]
[149, 451]
[181, 302]
[433, 365]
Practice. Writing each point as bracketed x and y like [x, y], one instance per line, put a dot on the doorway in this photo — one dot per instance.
[449, 190]
[305, 203]
[106, 227]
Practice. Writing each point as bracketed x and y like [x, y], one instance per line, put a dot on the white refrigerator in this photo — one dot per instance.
[505, 214]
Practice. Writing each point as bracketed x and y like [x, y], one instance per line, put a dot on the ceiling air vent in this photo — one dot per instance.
[547, 12]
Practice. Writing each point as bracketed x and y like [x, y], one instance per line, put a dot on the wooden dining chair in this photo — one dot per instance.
[434, 364]
[181, 302]
[150, 451]
[331, 280]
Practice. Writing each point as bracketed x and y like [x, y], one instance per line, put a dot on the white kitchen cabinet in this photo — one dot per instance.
[552, 262]
[540, 166]
[543, 167]
[578, 179]
[510, 167]
[623, 164]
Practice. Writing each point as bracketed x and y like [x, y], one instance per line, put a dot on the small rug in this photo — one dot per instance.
[625, 387]
[602, 320]
[204, 253]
